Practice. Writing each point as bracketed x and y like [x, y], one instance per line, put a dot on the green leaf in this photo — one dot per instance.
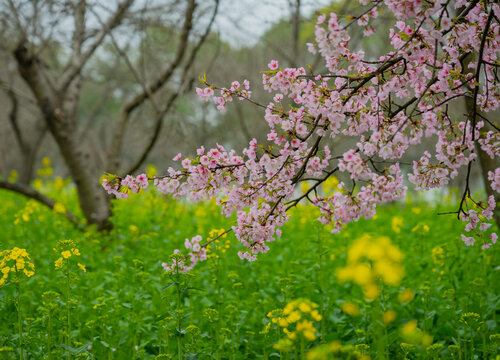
[168, 285]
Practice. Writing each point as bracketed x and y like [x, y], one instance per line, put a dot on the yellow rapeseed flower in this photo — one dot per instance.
[59, 208]
[316, 315]
[371, 291]
[46, 161]
[16, 260]
[397, 222]
[389, 316]
[66, 254]
[282, 322]
[58, 263]
[82, 267]
[304, 325]
[304, 307]
[290, 334]
[293, 317]
[309, 335]
[409, 327]
[350, 309]
[370, 259]
[330, 184]
[406, 296]
[288, 308]
[362, 274]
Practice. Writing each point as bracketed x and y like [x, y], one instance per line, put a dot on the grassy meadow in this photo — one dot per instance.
[400, 286]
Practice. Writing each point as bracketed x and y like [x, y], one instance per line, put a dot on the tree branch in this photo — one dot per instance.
[31, 193]
[157, 84]
[78, 59]
[173, 97]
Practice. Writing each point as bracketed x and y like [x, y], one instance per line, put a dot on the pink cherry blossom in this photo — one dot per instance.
[385, 105]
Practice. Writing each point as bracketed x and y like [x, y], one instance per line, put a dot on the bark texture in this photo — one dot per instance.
[57, 111]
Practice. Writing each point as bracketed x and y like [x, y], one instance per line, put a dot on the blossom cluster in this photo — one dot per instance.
[297, 321]
[129, 183]
[17, 261]
[477, 224]
[241, 91]
[370, 260]
[66, 249]
[387, 104]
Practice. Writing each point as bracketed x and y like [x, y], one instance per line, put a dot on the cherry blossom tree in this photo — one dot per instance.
[443, 51]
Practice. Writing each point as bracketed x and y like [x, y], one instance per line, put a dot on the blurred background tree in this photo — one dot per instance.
[108, 86]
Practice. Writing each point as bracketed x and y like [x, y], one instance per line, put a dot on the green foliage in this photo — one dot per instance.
[125, 307]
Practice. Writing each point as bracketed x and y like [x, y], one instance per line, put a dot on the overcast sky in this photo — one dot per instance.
[242, 22]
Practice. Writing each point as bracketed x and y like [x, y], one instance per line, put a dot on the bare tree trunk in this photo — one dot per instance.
[29, 149]
[295, 21]
[27, 166]
[94, 202]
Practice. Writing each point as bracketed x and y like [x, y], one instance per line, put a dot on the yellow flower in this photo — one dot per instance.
[336, 345]
[330, 184]
[304, 325]
[151, 170]
[268, 326]
[304, 307]
[293, 317]
[16, 260]
[28, 273]
[82, 267]
[304, 186]
[397, 222]
[59, 183]
[290, 334]
[350, 309]
[46, 161]
[59, 208]
[75, 251]
[405, 296]
[362, 274]
[58, 263]
[316, 315]
[409, 327]
[38, 184]
[371, 291]
[309, 335]
[282, 322]
[288, 308]
[389, 316]
[66, 254]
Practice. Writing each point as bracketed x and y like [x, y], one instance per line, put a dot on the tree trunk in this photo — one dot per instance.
[30, 152]
[94, 202]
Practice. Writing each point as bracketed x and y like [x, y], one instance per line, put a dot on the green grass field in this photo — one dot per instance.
[429, 296]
